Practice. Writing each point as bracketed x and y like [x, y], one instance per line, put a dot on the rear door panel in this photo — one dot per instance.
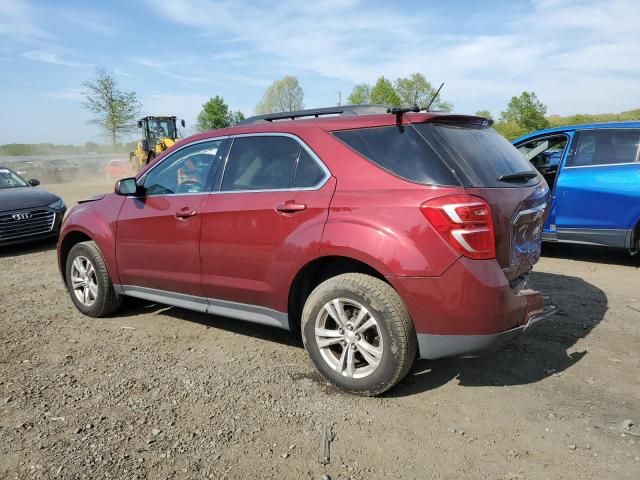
[250, 252]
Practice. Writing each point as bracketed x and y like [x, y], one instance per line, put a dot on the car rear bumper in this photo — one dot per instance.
[442, 346]
[469, 310]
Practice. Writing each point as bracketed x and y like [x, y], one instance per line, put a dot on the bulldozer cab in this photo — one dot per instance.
[156, 128]
[158, 134]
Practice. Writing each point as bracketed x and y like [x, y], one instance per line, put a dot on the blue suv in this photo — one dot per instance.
[594, 174]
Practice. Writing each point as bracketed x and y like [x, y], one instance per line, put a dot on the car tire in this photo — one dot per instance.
[365, 353]
[88, 281]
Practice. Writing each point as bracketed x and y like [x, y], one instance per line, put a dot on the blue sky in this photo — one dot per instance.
[577, 55]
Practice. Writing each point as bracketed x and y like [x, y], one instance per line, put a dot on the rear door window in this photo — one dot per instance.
[308, 172]
[605, 147]
[401, 151]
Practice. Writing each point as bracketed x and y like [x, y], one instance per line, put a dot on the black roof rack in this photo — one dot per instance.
[317, 112]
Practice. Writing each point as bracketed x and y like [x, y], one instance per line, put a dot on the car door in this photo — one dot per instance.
[264, 222]
[547, 153]
[598, 191]
[158, 232]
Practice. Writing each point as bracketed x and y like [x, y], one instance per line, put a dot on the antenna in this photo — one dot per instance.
[434, 96]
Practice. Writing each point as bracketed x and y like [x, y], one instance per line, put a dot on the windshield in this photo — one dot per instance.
[8, 179]
[162, 127]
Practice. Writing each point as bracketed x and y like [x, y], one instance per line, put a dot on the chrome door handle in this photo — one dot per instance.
[291, 207]
[182, 214]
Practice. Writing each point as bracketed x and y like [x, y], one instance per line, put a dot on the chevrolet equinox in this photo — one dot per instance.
[378, 236]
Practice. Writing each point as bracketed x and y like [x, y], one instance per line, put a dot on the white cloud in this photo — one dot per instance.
[567, 51]
[49, 57]
[18, 22]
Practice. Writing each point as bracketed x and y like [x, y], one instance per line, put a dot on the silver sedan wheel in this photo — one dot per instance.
[84, 281]
[349, 338]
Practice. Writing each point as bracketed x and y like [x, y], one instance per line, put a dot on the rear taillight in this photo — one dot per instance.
[465, 222]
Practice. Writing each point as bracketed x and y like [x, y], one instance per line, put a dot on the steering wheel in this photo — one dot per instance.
[190, 186]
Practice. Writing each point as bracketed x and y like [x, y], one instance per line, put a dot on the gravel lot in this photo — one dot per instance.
[160, 392]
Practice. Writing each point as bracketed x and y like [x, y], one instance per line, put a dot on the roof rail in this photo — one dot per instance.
[317, 112]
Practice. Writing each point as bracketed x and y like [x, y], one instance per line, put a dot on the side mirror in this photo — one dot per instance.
[127, 186]
[183, 123]
[34, 182]
[139, 123]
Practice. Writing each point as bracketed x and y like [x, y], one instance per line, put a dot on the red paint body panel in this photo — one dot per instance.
[96, 219]
[156, 249]
[250, 252]
[473, 297]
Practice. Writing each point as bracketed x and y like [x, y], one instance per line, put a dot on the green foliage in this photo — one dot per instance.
[216, 114]
[510, 130]
[115, 110]
[629, 115]
[383, 93]
[416, 89]
[526, 111]
[284, 95]
[403, 92]
[360, 95]
[484, 114]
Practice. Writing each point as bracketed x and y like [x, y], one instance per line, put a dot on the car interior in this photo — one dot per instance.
[545, 154]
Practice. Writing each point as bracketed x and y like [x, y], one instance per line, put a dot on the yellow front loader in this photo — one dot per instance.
[158, 134]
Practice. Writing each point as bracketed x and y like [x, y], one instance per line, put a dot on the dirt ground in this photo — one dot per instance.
[160, 392]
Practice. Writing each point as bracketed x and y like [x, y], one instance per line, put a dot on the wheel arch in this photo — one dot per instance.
[313, 274]
[66, 244]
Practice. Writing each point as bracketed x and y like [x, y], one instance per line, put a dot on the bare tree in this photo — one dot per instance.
[284, 95]
[115, 110]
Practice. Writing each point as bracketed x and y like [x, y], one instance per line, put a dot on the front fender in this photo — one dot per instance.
[96, 220]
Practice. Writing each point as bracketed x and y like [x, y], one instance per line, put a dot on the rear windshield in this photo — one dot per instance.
[479, 153]
[401, 151]
[442, 154]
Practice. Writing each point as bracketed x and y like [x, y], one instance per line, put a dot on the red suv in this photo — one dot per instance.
[377, 235]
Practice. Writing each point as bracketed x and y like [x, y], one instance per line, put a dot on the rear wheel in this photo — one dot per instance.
[358, 333]
[88, 281]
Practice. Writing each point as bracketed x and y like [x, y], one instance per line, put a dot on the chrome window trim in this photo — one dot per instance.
[302, 143]
[604, 165]
[616, 129]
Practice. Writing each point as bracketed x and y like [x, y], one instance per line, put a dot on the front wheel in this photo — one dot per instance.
[358, 333]
[88, 281]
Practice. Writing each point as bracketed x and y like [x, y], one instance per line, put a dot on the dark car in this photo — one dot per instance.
[27, 213]
[375, 236]
[60, 170]
[594, 175]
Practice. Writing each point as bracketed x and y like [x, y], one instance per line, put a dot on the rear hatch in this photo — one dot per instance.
[488, 166]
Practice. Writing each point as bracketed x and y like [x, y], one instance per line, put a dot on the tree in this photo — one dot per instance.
[415, 89]
[216, 114]
[383, 93]
[526, 111]
[284, 95]
[403, 92]
[115, 110]
[484, 114]
[360, 95]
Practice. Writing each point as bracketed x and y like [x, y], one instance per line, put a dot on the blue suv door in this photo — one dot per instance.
[597, 194]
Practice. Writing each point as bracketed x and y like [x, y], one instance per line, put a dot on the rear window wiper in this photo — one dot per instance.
[518, 176]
